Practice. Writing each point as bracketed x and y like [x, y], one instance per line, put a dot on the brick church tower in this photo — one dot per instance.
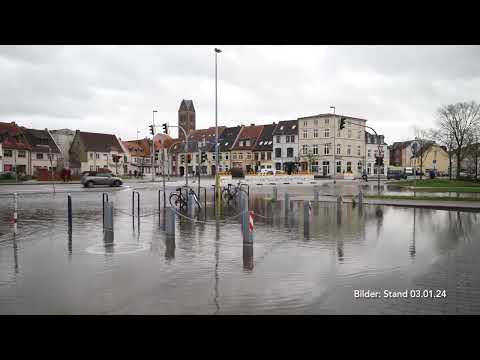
[186, 118]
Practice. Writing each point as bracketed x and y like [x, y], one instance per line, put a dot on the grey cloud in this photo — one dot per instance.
[115, 88]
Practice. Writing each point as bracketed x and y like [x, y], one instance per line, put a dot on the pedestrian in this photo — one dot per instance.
[364, 176]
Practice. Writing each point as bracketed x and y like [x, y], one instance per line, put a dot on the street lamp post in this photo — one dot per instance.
[334, 148]
[217, 177]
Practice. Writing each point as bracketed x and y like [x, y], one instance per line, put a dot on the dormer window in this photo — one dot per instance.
[294, 126]
[281, 127]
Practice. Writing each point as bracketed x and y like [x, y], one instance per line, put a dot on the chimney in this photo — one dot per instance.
[252, 124]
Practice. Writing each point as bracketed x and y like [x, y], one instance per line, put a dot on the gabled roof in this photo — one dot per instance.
[99, 142]
[251, 133]
[40, 140]
[12, 137]
[265, 140]
[186, 105]
[286, 127]
[331, 115]
[209, 135]
[227, 140]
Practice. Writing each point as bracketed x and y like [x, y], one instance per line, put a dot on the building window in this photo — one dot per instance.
[369, 153]
[240, 156]
[292, 138]
[339, 149]
[339, 167]
[240, 143]
[105, 156]
[262, 155]
[39, 156]
[349, 133]
[256, 156]
[289, 152]
[315, 122]
[349, 150]
[315, 149]
[327, 132]
[98, 168]
[304, 122]
[197, 158]
[338, 133]
[359, 167]
[305, 133]
[304, 149]
[91, 158]
[234, 156]
[326, 149]
[326, 121]
[349, 166]
[269, 155]
[315, 133]
[249, 156]
[278, 166]
[97, 156]
[369, 168]
[7, 153]
[247, 142]
[125, 159]
[219, 156]
[278, 139]
[278, 152]
[91, 167]
[359, 134]
[21, 153]
[358, 150]
[287, 139]
[226, 156]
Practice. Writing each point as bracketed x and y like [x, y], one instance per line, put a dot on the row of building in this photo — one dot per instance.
[312, 144]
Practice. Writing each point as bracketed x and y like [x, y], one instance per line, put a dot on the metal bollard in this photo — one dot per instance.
[315, 194]
[15, 213]
[339, 200]
[248, 228]
[190, 207]
[287, 203]
[104, 200]
[108, 225]
[274, 197]
[248, 256]
[69, 200]
[170, 221]
[306, 218]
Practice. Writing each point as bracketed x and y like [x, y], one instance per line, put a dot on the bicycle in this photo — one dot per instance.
[230, 192]
[177, 199]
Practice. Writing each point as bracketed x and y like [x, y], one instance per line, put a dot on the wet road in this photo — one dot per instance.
[292, 268]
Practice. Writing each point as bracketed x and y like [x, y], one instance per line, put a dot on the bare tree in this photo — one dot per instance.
[445, 138]
[461, 121]
[421, 148]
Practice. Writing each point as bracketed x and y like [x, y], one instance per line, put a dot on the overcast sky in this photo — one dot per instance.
[114, 89]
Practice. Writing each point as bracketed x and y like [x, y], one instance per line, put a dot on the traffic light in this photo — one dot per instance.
[165, 128]
[151, 130]
[342, 123]
[204, 156]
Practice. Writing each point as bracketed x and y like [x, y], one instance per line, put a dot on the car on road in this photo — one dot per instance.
[266, 171]
[396, 174]
[90, 179]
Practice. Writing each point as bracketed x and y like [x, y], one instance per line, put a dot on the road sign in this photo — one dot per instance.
[250, 221]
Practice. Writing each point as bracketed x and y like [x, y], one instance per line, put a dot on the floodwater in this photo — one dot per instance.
[292, 268]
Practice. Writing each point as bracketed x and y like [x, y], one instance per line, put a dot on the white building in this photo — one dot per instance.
[375, 144]
[285, 145]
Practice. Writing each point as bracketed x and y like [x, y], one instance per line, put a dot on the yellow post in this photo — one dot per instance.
[218, 193]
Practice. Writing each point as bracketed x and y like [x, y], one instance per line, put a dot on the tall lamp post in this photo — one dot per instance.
[217, 177]
[334, 148]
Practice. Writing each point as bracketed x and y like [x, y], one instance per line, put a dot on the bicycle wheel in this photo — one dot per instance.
[175, 201]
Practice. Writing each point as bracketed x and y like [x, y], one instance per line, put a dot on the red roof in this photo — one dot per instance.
[248, 133]
[12, 137]
[140, 148]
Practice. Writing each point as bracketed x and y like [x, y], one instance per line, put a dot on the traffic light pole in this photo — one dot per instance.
[378, 144]
[186, 151]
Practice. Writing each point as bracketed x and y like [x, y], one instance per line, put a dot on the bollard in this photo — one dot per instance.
[69, 200]
[248, 256]
[190, 207]
[339, 209]
[138, 209]
[306, 218]
[274, 197]
[170, 221]
[339, 200]
[287, 203]
[248, 228]
[291, 205]
[15, 213]
[104, 196]
[315, 194]
[108, 225]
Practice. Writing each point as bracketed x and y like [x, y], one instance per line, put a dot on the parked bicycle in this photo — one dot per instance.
[230, 192]
[178, 199]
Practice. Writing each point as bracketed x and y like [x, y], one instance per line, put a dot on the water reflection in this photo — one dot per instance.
[169, 247]
[15, 255]
[412, 246]
[217, 256]
[248, 257]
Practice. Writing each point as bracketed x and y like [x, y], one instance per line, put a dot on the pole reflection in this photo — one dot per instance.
[248, 256]
[217, 255]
